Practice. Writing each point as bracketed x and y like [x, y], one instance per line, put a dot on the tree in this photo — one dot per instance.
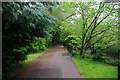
[21, 23]
[92, 21]
[90, 29]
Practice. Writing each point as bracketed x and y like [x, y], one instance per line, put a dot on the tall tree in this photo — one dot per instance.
[93, 20]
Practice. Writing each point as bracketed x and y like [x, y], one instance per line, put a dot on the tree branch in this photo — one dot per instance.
[96, 17]
[110, 45]
[105, 17]
[99, 39]
[100, 33]
[95, 25]
[68, 16]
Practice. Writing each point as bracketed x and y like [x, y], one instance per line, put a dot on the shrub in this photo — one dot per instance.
[112, 55]
[112, 61]
[37, 45]
[71, 42]
[99, 48]
[98, 56]
[113, 51]
[20, 53]
[106, 59]
[85, 55]
[74, 51]
[11, 60]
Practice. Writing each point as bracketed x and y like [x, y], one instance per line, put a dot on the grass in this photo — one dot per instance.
[31, 57]
[23, 64]
[93, 69]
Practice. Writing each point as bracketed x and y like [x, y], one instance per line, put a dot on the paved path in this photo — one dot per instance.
[54, 63]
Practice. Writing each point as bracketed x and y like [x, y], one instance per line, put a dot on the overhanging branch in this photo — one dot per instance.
[100, 32]
[105, 17]
[68, 16]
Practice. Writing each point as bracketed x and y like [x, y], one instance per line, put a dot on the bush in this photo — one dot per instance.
[11, 60]
[112, 57]
[99, 48]
[85, 55]
[74, 51]
[71, 42]
[37, 45]
[106, 59]
[20, 54]
[113, 51]
[112, 61]
[98, 56]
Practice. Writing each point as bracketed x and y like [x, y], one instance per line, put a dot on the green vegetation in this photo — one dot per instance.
[31, 57]
[87, 29]
[94, 69]
[27, 28]
[95, 25]
[23, 64]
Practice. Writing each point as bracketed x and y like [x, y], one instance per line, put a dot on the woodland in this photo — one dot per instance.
[86, 29]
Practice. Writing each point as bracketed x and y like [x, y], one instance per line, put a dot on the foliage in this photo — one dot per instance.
[92, 22]
[30, 57]
[37, 45]
[21, 23]
[71, 42]
[112, 61]
[90, 26]
[32, 27]
[88, 56]
[98, 56]
[113, 51]
[75, 51]
[112, 55]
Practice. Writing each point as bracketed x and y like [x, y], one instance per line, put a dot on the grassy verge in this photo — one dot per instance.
[31, 57]
[92, 69]
[23, 64]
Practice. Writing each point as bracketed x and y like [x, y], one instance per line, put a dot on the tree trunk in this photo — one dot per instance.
[93, 51]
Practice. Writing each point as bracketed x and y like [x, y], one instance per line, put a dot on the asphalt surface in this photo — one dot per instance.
[53, 63]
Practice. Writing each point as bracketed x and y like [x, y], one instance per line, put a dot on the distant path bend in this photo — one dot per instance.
[53, 63]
